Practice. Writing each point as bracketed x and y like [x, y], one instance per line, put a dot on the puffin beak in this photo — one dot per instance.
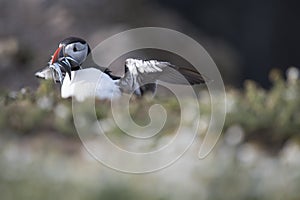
[57, 54]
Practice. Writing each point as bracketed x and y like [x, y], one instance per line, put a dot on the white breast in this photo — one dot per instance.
[89, 83]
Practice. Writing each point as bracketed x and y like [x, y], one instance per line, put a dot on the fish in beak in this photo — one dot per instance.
[56, 72]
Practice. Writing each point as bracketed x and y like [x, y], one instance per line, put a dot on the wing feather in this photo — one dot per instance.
[140, 72]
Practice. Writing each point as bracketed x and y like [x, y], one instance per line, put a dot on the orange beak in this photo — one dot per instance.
[56, 55]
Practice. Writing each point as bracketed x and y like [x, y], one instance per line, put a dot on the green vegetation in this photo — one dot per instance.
[256, 157]
[269, 117]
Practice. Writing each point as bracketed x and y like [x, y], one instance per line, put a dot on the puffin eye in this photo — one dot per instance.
[75, 49]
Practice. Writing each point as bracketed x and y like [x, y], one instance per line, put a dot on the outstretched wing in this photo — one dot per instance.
[141, 76]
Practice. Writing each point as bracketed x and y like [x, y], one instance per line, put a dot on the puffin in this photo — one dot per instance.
[140, 77]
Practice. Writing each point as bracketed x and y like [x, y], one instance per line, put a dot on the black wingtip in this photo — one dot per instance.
[193, 76]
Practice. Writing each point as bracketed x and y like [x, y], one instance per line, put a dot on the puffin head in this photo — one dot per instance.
[69, 56]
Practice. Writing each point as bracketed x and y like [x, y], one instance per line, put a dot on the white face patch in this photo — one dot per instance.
[77, 51]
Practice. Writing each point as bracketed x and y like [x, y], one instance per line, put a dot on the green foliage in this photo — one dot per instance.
[33, 112]
[269, 116]
[28, 112]
[40, 166]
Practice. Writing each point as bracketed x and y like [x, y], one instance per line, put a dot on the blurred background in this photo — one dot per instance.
[257, 157]
[246, 39]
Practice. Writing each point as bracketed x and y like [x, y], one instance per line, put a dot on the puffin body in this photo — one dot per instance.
[89, 82]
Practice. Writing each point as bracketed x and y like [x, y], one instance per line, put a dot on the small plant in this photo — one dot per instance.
[269, 117]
